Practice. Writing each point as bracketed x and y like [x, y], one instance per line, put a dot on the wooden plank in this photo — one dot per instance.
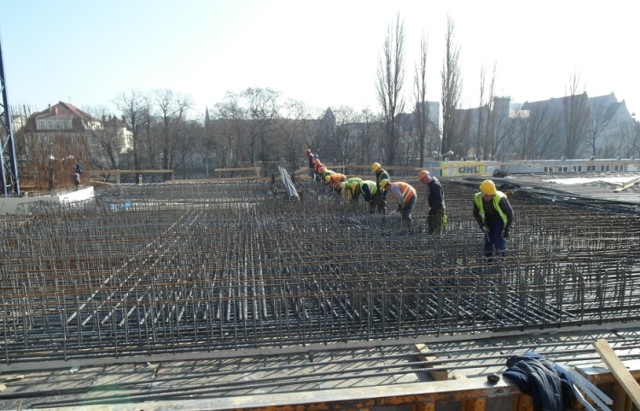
[628, 184]
[623, 376]
[419, 395]
[474, 405]
[423, 355]
[523, 402]
[424, 406]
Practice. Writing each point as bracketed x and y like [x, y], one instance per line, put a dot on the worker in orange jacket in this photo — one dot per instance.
[311, 157]
[404, 194]
[319, 169]
[333, 181]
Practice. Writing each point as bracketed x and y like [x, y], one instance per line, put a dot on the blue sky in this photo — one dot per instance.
[323, 53]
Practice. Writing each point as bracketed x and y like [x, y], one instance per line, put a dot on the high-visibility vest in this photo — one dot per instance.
[496, 204]
[368, 189]
[382, 175]
[336, 179]
[351, 187]
[405, 190]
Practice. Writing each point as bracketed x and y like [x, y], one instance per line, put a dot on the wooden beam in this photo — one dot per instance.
[628, 184]
[423, 355]
[623, 376]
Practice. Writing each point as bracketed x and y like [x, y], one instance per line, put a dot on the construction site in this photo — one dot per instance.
[244, 294]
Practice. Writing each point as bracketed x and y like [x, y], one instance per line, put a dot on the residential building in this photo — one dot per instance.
[52, 141]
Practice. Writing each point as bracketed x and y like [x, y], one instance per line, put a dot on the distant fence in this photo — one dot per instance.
[437, 168]
[117, 174]
[239, 173]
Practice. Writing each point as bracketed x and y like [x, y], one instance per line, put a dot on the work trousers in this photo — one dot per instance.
[434, 220]
[379, 202]
[494, 243]
[408, 209]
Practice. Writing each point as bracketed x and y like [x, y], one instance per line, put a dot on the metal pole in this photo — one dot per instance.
[9, 167]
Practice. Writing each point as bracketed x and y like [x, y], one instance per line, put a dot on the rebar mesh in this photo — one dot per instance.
[184, 267]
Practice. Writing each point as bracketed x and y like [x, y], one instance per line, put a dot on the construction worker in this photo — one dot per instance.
[436, 216]
[319, 170]
[310, 157]
[381, 195]
[494, 215]
[351, 189]
[326, 173]
[369, 188]
[333, 180]
[404, 194]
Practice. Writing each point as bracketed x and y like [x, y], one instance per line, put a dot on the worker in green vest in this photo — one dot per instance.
[369, 191]
[351, 189]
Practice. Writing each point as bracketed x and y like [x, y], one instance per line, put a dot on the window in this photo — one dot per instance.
[61, 124]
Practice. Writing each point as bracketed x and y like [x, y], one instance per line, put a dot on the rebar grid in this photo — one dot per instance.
[184, 267]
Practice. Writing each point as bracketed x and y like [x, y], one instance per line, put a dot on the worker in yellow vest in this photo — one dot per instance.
[494, 215]
[351, 189]
[369, 189]
[381, 194]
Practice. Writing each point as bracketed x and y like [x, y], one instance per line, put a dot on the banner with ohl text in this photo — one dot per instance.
[466, 168]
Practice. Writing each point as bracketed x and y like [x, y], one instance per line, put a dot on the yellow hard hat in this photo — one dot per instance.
[327, 178]
[488, 187]
[422, 174]
[343, 184]
[375, 166]
[383, 183]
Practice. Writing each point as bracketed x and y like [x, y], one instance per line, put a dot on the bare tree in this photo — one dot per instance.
[501, 129]
[172, 111]
[576, 116]
[135, 111]
[324, 129]
[231, 131]
[481, 133]
[106, 143]
[389, 86]
[421, 112]
[206, 145]
[486, 130]
[294, 131]
[451, 88]
[536, 133]
[344, 136]
[262, 108]
[598, 122]
[185, 154]
[369, 136]
[631, 138]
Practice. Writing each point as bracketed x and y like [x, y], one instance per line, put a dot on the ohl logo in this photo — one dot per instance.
[469, 170]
